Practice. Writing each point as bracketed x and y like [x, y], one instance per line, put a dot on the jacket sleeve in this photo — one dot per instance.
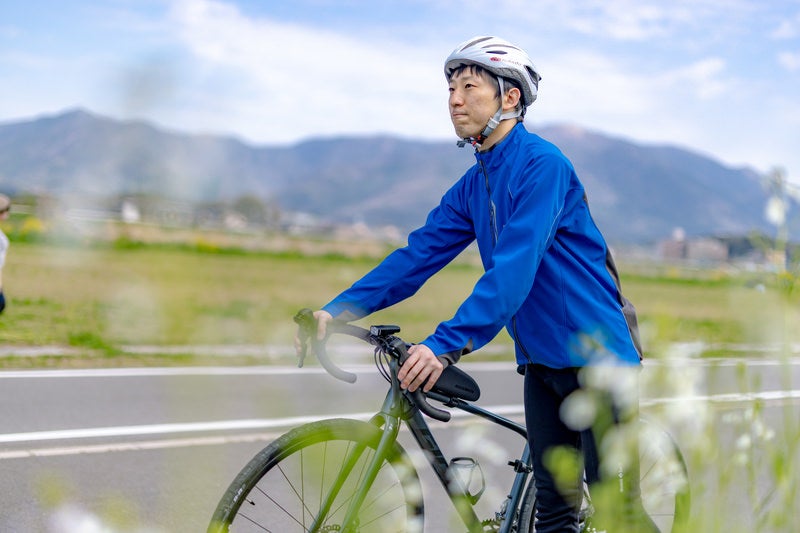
[537, 199]
[446, 232]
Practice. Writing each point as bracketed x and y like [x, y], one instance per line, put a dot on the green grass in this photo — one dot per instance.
[104, 298]
[725, 310]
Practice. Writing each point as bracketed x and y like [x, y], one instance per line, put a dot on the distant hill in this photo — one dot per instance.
[637, 193]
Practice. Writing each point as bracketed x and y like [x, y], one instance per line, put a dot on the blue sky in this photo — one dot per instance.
[721, 77]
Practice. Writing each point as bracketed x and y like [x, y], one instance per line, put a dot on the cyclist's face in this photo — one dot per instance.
[473, 101]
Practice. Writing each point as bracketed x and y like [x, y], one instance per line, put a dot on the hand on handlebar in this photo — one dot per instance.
[418, 362]
[421, 364]
[322, 319]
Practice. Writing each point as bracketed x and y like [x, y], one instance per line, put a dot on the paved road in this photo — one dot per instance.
[155, 448]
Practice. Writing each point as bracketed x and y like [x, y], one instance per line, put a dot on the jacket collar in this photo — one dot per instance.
[497, 153]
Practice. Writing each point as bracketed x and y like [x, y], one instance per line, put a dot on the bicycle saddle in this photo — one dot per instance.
[456, 383]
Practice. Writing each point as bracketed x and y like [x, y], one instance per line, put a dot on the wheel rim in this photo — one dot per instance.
[663, 478]
[289, 494]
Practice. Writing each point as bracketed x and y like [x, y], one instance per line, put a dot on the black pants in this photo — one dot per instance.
[559, 490]
[2, 301]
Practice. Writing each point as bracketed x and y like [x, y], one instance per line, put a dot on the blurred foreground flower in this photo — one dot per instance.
[70, 518]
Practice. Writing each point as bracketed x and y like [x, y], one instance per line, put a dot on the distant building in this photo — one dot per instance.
[674, 248]
[698, 249]
[671, 249]
[129, 212]
[705, 250]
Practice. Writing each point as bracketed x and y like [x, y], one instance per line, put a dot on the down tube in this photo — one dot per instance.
[422, 434]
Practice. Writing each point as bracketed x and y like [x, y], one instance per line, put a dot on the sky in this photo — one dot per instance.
[719, 77]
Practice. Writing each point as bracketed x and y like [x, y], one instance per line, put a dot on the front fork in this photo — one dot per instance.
[389, 418]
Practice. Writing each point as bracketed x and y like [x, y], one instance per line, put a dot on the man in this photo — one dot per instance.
[5, 208]
[549, 279]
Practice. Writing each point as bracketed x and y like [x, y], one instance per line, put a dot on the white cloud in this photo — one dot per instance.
[789, 60]
[582, 83]
[635, 21]
[627, 20]
[788, 28]
[593, 89]
[703, 78]
[307, 81]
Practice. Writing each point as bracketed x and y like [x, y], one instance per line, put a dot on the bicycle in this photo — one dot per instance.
[354, 476]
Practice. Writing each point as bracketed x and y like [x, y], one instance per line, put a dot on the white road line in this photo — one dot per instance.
[510, 411]
[160, 429]
[197, 427]
[513, 411]
[287, 422]
[732, 397]
[138, 446]
[459, 419]
[177, 371]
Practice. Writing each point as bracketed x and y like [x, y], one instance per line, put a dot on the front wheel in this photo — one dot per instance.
[301, 478]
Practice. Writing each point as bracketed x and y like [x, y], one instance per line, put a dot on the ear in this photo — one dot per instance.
[511, 98]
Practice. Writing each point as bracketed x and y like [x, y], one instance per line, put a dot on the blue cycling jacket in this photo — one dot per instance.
[548, 278]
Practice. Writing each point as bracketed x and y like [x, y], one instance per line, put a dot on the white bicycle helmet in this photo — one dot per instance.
[502, 59]
[499, 57]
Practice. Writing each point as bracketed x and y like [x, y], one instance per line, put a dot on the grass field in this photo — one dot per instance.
[109, 297]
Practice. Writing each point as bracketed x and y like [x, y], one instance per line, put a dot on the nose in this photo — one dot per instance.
[456, 99]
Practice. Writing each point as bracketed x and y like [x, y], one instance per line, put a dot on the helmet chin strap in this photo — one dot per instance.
[495, 121]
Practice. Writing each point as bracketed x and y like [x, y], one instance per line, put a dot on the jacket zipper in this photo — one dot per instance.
[493, 224]
[492, 211]
[518, 341]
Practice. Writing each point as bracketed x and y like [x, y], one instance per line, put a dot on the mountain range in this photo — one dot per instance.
[637, 193]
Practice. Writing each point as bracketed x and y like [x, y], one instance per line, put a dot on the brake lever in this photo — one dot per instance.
[305, 322]
[301, 357]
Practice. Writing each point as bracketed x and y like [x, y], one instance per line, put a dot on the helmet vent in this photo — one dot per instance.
[474, 42]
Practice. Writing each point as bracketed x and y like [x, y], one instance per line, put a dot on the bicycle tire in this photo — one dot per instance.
[282, 487]
[664, 478]
[664, 484]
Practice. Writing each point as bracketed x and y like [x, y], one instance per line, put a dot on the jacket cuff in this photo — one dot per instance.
[452, 357]
[341, 312]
